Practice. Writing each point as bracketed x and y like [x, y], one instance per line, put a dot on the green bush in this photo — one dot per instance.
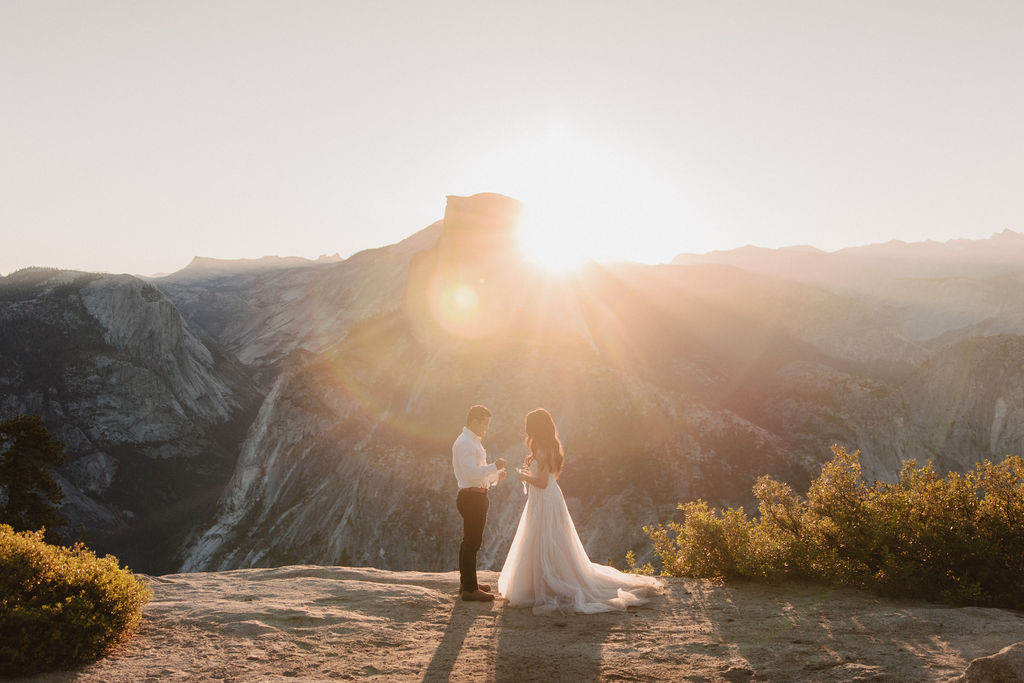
[60, 606]
[958, 538]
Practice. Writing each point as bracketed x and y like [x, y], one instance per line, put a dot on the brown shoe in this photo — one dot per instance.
[477, 596]
[485, 587]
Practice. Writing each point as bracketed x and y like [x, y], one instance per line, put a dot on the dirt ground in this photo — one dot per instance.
[337, 623]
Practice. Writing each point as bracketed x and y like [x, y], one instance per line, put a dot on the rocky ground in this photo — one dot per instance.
[331, 623]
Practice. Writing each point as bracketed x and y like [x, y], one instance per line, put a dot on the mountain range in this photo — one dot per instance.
[303, 412]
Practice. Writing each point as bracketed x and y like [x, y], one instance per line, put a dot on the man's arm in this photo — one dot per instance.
[499, 474]
[465, 462]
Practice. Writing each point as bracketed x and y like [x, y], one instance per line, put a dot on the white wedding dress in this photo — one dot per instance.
[548, 569]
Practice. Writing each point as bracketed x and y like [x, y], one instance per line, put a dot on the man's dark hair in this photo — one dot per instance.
[477, 413]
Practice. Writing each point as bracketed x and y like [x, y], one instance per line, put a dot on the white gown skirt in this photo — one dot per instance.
[548, 569]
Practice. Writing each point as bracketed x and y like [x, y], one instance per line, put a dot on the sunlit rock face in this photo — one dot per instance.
[967, 402]
[343, 468]
[262, 314]
[678, 383]
[150, 412]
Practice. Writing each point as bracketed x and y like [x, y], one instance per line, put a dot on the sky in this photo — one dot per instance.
[136, 135]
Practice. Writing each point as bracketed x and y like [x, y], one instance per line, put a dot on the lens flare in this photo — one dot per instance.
[460, 310]
[461, 299]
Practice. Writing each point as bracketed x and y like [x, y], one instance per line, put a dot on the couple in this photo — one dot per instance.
[546, 567]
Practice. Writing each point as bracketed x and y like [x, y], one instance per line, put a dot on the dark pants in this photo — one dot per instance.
[472, 506]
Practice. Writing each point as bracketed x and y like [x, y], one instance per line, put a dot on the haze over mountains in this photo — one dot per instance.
[998, 255]
[202, 266]
[296, 413]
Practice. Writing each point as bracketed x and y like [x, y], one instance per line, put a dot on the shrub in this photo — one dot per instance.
[60, 606]
[958, 538]
[707, 545]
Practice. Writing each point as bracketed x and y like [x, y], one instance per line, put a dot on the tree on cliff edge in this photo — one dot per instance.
[28, 493]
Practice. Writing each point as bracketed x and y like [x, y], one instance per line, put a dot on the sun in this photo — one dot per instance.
[586, 199]
[553, 239]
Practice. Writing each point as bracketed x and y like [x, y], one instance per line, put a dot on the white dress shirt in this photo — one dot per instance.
[469, 459]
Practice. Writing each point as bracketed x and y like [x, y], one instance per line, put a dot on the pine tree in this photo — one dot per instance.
[27, 454]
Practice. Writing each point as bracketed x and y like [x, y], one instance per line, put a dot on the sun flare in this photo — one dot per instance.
[585, 199]
[462, 298]
[552, 242]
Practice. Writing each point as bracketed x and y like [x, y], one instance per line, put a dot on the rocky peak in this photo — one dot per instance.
[480, 226]
[1007, 235]
[465, 285]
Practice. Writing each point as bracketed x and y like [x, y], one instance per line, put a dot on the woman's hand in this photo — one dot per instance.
[523, 474]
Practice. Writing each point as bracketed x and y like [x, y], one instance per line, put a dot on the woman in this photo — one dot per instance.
[547, 567]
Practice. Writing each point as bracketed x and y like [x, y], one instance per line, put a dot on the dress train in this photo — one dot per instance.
[548, 569]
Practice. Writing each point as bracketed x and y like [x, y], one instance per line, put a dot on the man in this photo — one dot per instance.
[475, 477]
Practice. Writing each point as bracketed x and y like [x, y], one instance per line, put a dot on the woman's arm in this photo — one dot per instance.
[540, 481]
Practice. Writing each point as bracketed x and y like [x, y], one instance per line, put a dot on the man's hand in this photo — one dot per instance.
[502, 474]
[500, 463]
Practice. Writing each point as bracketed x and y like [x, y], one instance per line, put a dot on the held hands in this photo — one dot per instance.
[500, 464]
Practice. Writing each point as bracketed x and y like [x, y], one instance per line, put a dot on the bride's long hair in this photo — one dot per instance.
[542, 437]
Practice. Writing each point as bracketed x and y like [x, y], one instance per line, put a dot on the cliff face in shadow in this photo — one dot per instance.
[151, 411]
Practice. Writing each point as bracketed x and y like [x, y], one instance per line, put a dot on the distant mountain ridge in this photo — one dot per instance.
[1000, 254]
[204, 266]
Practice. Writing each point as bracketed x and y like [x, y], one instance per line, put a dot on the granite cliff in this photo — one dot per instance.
[150, 410]
[668, 383]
